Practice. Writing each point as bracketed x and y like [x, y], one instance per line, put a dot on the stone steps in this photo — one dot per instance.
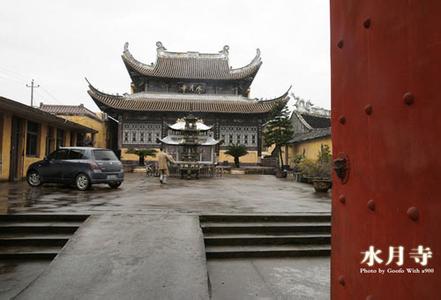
[248, 236]
[267, 251]
[265, 218]
[251, 239]
[36, 236]
[38, 229]
[33, 241]
[28, 252]
[280, 228]
[43, 218]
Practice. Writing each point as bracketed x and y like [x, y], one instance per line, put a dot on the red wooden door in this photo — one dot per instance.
[386, 121]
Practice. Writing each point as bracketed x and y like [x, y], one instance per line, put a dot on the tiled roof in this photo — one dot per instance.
[68, 110]
[316, 121]
[311, 135]
[191, 65]
[185, 102]
[35, 114]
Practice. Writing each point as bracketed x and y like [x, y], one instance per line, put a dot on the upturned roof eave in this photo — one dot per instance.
[108, 102]
[134, 66]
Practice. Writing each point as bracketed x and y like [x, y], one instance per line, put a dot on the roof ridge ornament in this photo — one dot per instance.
[160, 47]
[225, 50]
[257, 54]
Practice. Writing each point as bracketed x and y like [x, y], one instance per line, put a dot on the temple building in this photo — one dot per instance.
[179, 83]
[312, 130]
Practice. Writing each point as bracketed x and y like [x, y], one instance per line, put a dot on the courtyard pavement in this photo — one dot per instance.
[296, 278]
[141, 194]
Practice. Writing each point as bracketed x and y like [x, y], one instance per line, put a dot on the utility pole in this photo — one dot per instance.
[32, 86]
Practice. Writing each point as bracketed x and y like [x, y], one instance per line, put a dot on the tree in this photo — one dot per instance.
[236, 151]
[142, 153]
[278, 130]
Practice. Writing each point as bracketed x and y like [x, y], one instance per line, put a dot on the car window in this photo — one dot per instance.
[104, 155]
[77, 154]
[62, 154]
[52, 155]
[58, 154]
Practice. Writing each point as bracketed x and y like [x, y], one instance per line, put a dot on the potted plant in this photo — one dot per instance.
[322, 170]
[296, 166]
[322, 177]
[307, 169]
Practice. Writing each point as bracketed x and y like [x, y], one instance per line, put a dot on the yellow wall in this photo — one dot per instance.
[24, 160]
[250, 158]
[100, 126]
[6, 146]
[309, 148]
[28, 160]
[129, 156]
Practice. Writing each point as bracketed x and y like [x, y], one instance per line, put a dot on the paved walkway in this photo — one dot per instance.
[141, 194]
[128, 257]
[272, 278]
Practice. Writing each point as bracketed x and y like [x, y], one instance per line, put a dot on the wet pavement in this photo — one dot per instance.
[16, 275]
[123, 256]
[272, 278]
[297, 278]
[141, 194]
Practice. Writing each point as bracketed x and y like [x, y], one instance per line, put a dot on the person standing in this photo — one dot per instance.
[163, 159]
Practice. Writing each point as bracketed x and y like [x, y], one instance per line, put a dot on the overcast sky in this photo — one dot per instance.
[58, 43]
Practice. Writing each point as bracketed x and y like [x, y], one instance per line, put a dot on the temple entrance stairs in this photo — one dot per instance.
[253, 236]
[36, 236]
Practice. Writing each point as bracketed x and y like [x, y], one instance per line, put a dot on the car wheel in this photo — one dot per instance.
[82, 182]
[115, 185]
[34, 178]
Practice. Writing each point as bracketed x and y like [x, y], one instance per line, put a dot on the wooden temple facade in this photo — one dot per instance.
[182, 82]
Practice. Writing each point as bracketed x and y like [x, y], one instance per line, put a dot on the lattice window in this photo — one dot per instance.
[140, 133]
[246, 135]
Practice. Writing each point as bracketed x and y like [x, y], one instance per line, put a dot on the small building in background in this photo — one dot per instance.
[309, 143]
[81, 115]
[312, 129]
[28, 134]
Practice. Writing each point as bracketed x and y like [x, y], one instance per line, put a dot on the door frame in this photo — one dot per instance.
[14, 155]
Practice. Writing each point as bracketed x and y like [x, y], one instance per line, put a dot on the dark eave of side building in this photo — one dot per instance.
[316, 121]
[314, 134]
[34, 114]
[69, 110]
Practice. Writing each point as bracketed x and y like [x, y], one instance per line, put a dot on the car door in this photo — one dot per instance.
[57, 165]
[47, 168]
[73, 164]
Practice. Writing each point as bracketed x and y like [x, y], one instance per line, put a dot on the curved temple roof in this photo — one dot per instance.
[179, 103]
[191, 65]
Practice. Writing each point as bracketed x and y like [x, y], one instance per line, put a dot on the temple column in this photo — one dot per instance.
[259, 139]
[120, 131]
